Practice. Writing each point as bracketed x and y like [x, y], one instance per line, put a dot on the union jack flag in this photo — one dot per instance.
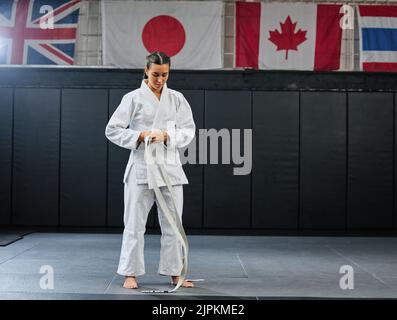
[26, 34]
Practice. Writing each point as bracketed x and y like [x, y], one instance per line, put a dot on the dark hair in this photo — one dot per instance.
[156, 57]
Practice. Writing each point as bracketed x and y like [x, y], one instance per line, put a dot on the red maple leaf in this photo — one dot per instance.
[287, 39]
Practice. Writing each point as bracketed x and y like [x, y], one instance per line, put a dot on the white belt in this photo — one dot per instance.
[173, 219]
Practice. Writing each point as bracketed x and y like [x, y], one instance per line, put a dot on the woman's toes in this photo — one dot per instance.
[188, 284]
[130, 283]
[185, 284]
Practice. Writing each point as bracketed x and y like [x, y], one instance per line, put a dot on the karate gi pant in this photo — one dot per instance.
[138, 200]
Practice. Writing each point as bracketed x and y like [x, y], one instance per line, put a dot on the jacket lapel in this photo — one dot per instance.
[161, 105]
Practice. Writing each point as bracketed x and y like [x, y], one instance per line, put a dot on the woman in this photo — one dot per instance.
[165, 117]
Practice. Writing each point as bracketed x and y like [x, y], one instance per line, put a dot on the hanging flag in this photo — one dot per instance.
[189, 32]
[38, 31]
[289, 36]
[378, 37]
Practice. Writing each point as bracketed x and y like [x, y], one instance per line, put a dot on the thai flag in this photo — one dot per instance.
[24, 40]
[378, 37]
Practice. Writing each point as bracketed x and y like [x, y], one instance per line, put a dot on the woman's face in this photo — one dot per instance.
[157, 75]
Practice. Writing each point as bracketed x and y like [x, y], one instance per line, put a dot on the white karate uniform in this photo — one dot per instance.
[141, 110]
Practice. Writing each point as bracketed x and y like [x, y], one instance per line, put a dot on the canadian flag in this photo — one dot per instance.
[189, 32]
[288, 36]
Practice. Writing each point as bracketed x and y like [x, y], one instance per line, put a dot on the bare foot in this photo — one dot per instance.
[185, 284]
[130, 283]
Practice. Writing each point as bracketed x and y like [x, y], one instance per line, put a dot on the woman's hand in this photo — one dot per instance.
[159, 136]
[143, 135]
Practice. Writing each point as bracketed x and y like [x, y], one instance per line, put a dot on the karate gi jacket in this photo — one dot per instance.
[141, 110]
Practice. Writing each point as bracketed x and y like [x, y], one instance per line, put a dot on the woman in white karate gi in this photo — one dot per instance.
[165, 116]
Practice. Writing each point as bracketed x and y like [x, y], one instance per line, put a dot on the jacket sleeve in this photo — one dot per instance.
[116, 129]
[185, 127]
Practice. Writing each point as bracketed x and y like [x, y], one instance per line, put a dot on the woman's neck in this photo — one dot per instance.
[157, 92]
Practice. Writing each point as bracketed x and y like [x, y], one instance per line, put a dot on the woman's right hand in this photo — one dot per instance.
[143, 135]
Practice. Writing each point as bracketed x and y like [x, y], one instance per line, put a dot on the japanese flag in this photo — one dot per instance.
[288, 36]
[189, 32]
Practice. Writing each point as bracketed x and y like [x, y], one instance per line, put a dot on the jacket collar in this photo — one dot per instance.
[164, 91]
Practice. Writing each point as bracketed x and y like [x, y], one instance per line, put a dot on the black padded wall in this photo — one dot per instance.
[36, 156]
[83, 157]
[323, 160]
[193, 192]
[275, 160]
[6, 107]
[370, 160]
[395, 163]
[323, 149]
[227, 201]
[117, 161]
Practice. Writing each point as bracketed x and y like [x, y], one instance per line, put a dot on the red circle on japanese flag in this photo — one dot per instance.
[164, 33]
